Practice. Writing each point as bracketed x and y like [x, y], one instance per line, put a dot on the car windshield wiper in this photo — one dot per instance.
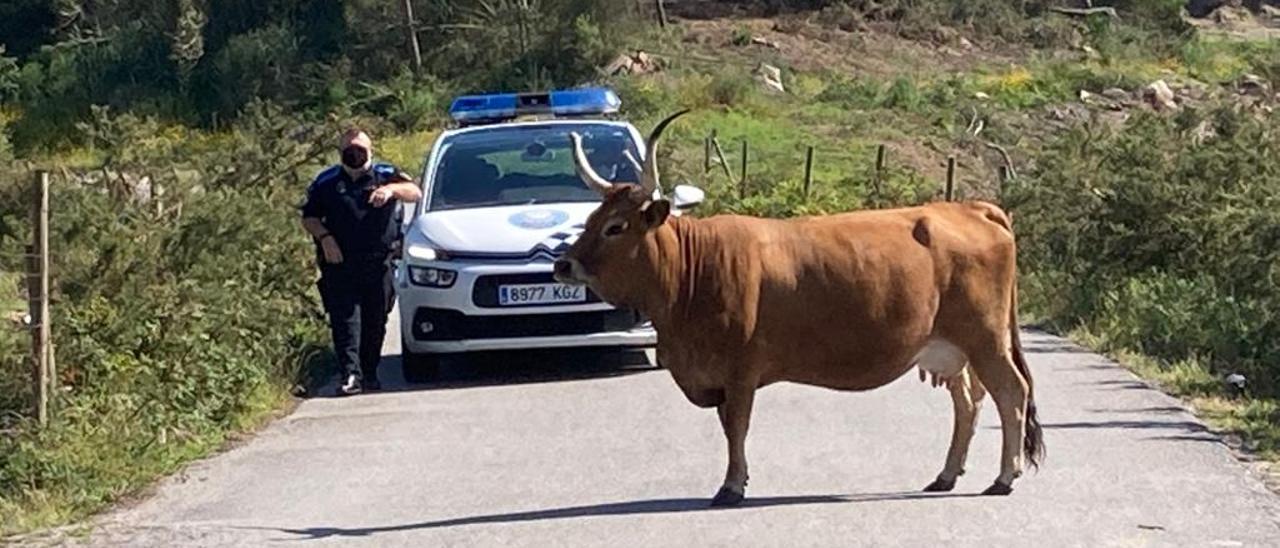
[493, 203]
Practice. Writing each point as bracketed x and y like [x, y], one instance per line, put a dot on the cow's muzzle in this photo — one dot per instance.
[566, 272]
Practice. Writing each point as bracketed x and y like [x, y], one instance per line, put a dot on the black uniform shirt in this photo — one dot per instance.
[363, 232]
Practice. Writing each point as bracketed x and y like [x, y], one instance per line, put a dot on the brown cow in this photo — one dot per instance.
[848, 302]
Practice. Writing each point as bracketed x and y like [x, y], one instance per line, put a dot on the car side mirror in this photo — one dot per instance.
[687, 196]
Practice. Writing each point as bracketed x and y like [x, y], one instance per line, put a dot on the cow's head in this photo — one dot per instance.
[608, 250]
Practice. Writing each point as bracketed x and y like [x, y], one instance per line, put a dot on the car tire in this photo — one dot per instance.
[419, 368]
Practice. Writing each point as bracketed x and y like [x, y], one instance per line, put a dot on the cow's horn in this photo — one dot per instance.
[635, 164]
[588, 174]
[649, 180]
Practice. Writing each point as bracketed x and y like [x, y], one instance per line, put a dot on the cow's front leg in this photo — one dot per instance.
[735, 417]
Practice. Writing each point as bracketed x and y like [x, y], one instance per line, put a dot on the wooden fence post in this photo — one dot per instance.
[415, 51]
[724, 162]
[38, 295]
[808, 172]
[706, 155]
[951, 177]
[879, 169]
[662, 13]
[742, 182]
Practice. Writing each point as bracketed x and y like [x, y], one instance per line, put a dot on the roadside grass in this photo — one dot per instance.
[1254, 419]
[108, 471]
[407, 150]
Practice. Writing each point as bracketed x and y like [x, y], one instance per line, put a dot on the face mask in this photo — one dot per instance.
[355, 158]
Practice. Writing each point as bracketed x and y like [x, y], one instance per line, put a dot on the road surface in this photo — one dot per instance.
[521, 452]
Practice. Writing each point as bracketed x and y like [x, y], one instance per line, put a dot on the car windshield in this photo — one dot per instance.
[512, 165]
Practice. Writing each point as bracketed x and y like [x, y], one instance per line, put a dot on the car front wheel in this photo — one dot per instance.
[419, 368]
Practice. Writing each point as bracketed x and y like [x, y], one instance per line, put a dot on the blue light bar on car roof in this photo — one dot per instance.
[497, 107]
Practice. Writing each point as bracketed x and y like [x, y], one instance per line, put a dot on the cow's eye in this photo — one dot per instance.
[614, 230]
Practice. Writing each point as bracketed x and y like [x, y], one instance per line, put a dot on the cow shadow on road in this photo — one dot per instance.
[639, 507]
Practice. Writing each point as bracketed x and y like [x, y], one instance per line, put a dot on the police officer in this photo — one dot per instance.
[354, 211]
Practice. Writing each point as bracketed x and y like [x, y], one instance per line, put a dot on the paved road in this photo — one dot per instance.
[606, 455]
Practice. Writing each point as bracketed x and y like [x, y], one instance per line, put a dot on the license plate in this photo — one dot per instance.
[515, 295]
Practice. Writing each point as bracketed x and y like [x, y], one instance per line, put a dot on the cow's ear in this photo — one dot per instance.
[656, 212]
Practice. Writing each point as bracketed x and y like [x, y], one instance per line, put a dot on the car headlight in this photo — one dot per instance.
[424, 253]
[432, 277]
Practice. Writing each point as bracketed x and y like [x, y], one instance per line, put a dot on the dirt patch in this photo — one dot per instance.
[1238, 23]
[799, 42]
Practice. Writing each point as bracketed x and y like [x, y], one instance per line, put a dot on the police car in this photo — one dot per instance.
[501, 201]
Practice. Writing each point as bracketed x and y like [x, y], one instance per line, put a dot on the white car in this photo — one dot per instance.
[501, 201]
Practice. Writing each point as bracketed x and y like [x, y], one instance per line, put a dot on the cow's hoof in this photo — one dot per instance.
[727, 497]
[940, 486]
[998, 488]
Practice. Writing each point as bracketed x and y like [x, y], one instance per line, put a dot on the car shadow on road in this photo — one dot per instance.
[481, 369]
[639, 507]
[518, 367]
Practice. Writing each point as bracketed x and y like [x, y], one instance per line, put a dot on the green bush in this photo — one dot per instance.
[1162, 236]
[182, 312]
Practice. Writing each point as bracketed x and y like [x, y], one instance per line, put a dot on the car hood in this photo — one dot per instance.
[508, 230]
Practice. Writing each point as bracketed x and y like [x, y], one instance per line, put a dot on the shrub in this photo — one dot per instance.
[1160, 238]
[184, 307]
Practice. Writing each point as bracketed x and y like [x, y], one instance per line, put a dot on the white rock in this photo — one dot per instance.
[1160, 96]
[770, 77]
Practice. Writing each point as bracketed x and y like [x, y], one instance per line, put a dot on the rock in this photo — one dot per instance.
[765, 42]
[1230, 15]
[1115, 94]
[1203, 132]
[965, 43]
[770, 77]
[1252, 84]
[1160, 96]
[1271, 11]
[1236, 383]
[637, 63]
[1090, 53]
[945, 35]
[1089, 98]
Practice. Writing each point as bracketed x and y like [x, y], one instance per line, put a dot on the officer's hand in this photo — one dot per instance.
[381, 196]
[332, 253]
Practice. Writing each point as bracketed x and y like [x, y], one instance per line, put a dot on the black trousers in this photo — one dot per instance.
[358, 296]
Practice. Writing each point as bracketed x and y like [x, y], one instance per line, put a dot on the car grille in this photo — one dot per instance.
[451, 325]
[485, 291]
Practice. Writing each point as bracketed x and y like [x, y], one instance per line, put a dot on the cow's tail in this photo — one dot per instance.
[1033, 439]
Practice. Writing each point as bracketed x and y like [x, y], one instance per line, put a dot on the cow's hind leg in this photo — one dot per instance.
[966, 397]
[735, 417]
[1009, 390]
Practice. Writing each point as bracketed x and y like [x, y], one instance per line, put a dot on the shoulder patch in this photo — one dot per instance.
[384, 171]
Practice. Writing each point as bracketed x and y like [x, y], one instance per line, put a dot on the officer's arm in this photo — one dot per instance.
[314, 227]
[313, 213]
[399, 183]
[405, 192]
